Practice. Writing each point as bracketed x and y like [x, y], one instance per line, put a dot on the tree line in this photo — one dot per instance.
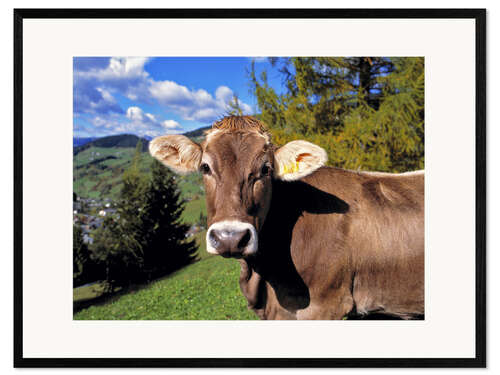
[144, 240]
[366, 112]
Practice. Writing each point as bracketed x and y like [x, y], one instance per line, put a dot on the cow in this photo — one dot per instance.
[313, 242]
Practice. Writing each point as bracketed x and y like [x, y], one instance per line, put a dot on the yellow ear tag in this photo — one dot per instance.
[291, 168]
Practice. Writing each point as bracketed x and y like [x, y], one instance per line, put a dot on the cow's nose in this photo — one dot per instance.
[232, 239]
[229, 242]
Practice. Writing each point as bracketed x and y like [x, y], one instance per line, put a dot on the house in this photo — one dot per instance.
[87, 239]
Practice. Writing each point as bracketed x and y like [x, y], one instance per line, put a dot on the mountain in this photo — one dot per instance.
[122, 140]
[197, 132]
[80, 141]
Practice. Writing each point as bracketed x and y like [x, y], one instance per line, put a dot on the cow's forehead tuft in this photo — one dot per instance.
[238, 124]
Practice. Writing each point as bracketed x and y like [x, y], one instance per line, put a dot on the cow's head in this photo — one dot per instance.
[238, 163]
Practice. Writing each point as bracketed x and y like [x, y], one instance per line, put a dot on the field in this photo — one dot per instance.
[205, 290]
[97, 171]
[97, 174]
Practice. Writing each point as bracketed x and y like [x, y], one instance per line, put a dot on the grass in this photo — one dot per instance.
[205, 290]
[192, 210]
[87, 293]
[104, 178]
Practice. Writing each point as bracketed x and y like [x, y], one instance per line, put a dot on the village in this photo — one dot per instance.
[89, 214]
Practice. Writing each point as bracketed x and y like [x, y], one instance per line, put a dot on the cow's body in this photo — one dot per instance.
[314, 242]
[340, 243]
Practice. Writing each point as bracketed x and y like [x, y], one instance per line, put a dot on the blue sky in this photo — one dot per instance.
[151, 96]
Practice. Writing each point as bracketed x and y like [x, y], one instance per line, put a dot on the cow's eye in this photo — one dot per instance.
[265, 170]
[204, 168]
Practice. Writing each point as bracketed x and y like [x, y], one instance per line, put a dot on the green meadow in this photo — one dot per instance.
[205, 290]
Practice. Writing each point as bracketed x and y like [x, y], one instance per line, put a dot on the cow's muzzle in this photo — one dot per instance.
[232, 239]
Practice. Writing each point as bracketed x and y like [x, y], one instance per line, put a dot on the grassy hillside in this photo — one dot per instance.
[198, 133]
[97, 171]
[205, 290]
[121, 140]
[97, 174]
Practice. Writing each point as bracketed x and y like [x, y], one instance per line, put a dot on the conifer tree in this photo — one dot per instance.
[146, 239]
[234, 107]
[164, 235]
[367, 112]
[118, 244]
[81, 258]
[130, 209]
[110, 257]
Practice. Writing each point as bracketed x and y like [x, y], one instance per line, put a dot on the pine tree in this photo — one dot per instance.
[130, 209]
[118, 244]
[234, 107]
[110, 257]
[146, 239]
[82, 262]
[164, 243]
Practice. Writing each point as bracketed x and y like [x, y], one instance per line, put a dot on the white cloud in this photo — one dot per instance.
[119, 68]
[172, 94]
[136, 121]
[224, 94]
[135, 114]
[98, 121]
[108, 124]
[94, 88]
[171, 124]
[196, 105]
[150, 117]
[147, 123]
[96, 85]
[106, 95]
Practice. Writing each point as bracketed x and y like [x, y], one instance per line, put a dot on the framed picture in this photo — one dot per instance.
[183, 175]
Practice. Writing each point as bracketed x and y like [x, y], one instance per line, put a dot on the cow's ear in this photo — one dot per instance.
[297, 159]
[177, 152]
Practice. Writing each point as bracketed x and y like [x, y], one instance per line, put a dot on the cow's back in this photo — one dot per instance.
[356, 244]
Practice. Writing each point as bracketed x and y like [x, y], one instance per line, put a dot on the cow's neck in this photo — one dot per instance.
[273, 267]
[277, 273]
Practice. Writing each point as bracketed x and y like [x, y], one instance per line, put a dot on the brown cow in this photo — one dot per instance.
[314, 242]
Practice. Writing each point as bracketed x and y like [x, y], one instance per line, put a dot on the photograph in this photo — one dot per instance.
[246, 188]
[249, 188]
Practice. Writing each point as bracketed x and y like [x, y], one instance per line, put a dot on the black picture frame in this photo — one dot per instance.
[479, 15]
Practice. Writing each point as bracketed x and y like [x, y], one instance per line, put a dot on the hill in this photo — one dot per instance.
[122, 140]
[205, 290]
[98, 169]
[80, 141]
[200, 132]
